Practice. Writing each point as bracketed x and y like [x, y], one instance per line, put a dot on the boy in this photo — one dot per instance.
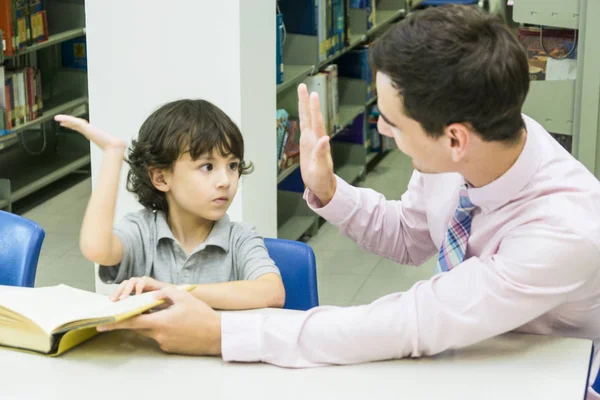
[185, 168]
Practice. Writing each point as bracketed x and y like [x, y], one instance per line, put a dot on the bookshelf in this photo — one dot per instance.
[54, 108]
[350, 152]
[24, 173]
[52, 40]
[35, 152]
[569, 107]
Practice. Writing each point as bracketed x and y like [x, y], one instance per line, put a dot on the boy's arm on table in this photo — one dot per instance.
[259, 284]
[262, 292]
[265, 291]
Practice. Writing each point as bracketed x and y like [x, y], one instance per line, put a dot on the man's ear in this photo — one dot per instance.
[160, 179]
[460, 136]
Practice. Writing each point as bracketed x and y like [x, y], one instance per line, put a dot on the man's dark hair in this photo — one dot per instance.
[195, 126]
[456, 64]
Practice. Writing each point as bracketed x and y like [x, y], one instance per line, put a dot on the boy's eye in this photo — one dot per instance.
[234, 166]
[206, 167]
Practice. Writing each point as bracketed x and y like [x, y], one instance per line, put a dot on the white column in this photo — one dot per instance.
[142, 54]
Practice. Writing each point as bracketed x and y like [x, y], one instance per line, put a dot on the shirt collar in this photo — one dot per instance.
[504, 189]
[218, 236]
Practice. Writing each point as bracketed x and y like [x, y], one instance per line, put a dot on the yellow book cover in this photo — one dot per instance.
[51, 320]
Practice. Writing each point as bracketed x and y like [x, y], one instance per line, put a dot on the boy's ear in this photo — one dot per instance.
[159, 179]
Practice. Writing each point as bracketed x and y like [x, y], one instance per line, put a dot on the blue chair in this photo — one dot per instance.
[20, 244]
[296, 261]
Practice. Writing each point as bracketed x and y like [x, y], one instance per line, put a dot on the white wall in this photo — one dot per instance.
[142, 54]
[258, 104]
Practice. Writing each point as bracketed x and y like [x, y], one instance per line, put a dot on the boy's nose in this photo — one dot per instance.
[223, 179]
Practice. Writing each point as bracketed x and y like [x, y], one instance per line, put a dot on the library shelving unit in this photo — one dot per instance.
[569, 107]
[352, 158]
[36, 153]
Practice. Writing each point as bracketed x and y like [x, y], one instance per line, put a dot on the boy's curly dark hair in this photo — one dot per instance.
[195, 126]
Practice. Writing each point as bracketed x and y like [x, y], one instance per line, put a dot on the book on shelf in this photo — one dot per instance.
[74, 53]
[279, 36]
[21, 97]
[291, 152]
[310, 18]
[378, 143]
[355, 64]
[282, 132]
[339, 25]
[325, 84]
[38, 21]
[369, 7]
[288, 140]
[354, 132]
[319, 83]
[333, 96]
[51, 320]
[23, 23]
[373, 143]
[346, 17]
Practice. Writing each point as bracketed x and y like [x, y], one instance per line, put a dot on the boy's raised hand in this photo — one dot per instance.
[316, 164]
[93, 134]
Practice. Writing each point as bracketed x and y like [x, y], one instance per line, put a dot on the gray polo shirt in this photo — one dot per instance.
[232, 251]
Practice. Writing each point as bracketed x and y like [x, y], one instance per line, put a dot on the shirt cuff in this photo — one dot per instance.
[342, 205]
[241, 336]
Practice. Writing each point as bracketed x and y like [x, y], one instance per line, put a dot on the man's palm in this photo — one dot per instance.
[316, 164]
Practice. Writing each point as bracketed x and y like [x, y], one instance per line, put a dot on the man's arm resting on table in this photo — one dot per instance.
[473, 302]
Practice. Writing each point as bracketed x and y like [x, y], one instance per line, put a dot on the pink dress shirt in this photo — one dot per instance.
[532, 265]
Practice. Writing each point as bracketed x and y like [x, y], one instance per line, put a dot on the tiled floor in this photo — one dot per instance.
[347, 275]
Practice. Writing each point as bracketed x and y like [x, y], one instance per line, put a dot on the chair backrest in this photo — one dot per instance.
[296, 261]
[20, 244]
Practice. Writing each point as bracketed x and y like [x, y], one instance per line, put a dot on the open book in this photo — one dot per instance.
[53, 319]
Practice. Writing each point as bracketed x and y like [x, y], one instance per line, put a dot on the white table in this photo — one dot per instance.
[120, 365]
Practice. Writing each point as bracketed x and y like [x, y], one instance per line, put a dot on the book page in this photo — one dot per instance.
[54, 306]
[50, 306]
[137, 303]
[132, 303]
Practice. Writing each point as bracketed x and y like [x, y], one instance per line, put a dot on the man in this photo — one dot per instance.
[514, 218]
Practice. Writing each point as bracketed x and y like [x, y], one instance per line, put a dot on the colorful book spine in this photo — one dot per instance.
[279, 50]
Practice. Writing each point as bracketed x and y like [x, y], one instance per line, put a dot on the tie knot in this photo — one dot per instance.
[465, 202]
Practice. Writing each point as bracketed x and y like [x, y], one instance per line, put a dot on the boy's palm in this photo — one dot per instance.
[137, 285]
[93, 134]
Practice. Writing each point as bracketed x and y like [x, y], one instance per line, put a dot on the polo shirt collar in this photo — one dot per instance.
[218, 236]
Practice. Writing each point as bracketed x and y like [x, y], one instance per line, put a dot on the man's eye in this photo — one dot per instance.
[206, 167]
